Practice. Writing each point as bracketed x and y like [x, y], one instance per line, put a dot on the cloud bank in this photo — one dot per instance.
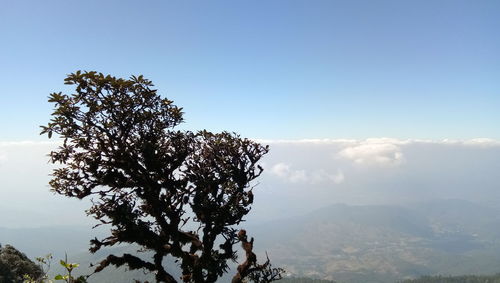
[3, 157]
[299, 176]
[373, 154]
[287, 173]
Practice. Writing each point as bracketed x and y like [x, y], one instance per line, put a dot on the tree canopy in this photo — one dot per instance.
[174, 193]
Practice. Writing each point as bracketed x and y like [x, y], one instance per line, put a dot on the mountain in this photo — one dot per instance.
[344, 243]
[385, 243]
[456, 279]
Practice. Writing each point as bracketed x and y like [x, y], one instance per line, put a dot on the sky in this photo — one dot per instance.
[362, 102]
[267, 69]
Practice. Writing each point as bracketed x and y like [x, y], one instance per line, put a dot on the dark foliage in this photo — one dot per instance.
[14, 265]
[174, 193]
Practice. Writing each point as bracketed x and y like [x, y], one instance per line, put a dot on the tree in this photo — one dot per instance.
[174, 193]
[14, 265]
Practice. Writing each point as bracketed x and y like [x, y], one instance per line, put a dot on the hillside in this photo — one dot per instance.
[340, 242]
[386, 243]
[456, 279]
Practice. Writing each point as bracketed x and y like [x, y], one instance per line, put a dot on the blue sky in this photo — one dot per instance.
[268, 69]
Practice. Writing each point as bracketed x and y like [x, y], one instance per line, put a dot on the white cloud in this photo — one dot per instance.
[374, 152]
[30, 143]
[3, 157]
[281, 170]
[285, 172]
[307, 141]
[346, 142]
[322, 176]
[482, 142]
[298, 176]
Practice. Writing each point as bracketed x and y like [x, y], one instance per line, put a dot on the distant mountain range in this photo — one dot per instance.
[456, 279]
[386, 243]
[340, 242]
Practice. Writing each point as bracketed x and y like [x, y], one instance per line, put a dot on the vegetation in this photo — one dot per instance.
[14, 265]
[174, 193]
[43, 277]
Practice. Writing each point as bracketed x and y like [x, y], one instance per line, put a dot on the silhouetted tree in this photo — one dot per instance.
[174, 193]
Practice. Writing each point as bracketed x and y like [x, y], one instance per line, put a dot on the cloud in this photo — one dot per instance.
[374, 152]
[30, 143]
[281, 170]
[352, 142]
[307, 141]
[322, 176]
[285, 172]
[379, 151]
[11, 150]
[3, 158]
[298, 176]
[482, 142]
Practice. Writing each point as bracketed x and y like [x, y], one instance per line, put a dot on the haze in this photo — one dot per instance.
[370, 108]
